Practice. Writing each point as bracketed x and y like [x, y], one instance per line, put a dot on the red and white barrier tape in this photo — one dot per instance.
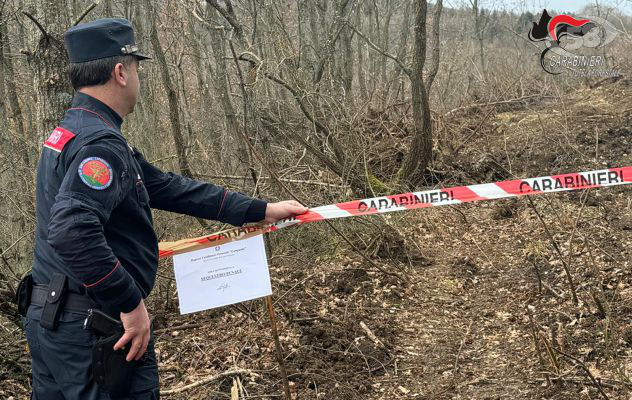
[409, 201]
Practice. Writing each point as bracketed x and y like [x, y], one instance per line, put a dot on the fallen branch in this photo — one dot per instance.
[371, 335]
[495, 103]
[178, 328]
[207, 380]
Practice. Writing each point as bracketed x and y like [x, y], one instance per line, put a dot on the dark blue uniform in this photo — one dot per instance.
[94, 224]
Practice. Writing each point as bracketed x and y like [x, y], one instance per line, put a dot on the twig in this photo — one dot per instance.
[404, 68]
[581, 364]
[277, 345]
[474, 132]
[86, 12]
[559, 252]
[553, 292]
[584, 197]
[265, 165]
[371, 335]
[301, 181]
[178, 328]
[536, 342]
[537, 274]
[36, 22]
[16, 242]
[458, 354]
[206, 380]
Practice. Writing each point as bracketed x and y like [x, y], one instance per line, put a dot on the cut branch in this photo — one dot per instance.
[207, 380]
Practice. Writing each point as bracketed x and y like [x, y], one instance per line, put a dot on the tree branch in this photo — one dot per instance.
[36, 22]
[382, 52]
[85, 13]
[229, 15]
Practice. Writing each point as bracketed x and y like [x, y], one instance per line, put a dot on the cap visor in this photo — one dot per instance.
[141, 56]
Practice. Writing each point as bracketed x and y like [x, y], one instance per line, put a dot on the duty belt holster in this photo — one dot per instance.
[23, 294]
[110, 369]
[54, 303]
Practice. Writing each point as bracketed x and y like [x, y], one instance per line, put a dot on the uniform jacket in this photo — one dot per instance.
[94, 196]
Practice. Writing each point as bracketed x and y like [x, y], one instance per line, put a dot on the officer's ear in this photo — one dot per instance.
[120, 74]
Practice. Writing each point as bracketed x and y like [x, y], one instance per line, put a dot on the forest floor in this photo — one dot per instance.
[485, 312]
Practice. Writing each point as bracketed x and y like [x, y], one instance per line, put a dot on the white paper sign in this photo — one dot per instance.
[222, 275]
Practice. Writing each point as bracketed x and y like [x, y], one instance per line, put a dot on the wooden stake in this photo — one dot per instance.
[277, 345]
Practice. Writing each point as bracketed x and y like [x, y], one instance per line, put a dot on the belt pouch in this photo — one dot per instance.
[23, 294]
[54, 301]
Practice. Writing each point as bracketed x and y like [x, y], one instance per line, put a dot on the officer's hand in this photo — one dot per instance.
[136, 324]
[283, 209]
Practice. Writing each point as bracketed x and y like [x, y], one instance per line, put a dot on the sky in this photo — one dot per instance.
[578, 5]
[536, 6]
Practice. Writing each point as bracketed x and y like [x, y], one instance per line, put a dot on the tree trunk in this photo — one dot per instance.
[328, 43]
[479, 27]
[202, 85]
[404, 33]
[347, 63]
[4, 108]
[361, 46]
[107, 8]
[50, 63]
[420, 153]
[231, 142]
[16, 110]
[385, 43]
[172, 96]
[436, 45]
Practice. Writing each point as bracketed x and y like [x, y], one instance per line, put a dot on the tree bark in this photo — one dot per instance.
[231, 143]
[347, 65]
[12, 93]
[361, 45]
[328, 43]
[202, 85]
[404, 33]
[50, 63]
[385, 43]
[420, 153]
[479, 27]
[3, 104]
[107, 8]
[436, 45]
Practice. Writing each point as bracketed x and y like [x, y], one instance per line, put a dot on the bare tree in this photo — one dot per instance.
[420, 152]
[172, 95]
[480, 24]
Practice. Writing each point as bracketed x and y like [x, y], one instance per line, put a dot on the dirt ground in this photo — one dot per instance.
[483, 308]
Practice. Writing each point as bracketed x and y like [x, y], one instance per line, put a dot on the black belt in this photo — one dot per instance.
[73, 302]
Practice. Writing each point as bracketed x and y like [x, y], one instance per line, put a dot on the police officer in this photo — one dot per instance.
[95, 246]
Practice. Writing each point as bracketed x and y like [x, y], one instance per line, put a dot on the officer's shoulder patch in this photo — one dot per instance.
[96, 173]
[58, 139]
